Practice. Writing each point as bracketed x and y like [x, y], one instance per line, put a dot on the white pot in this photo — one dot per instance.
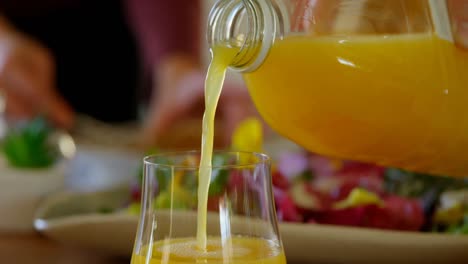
[21, 191]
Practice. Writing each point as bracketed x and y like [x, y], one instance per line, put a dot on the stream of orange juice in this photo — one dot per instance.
[222, 57]
[399, 101]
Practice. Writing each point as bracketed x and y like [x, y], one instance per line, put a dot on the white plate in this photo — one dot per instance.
[96, 168]
[71, 218]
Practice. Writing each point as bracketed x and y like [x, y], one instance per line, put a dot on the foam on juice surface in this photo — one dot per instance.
[214, 249]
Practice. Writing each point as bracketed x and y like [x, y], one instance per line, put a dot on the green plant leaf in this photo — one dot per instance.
[27, 146]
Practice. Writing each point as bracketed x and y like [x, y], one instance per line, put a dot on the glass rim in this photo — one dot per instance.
[261, 158]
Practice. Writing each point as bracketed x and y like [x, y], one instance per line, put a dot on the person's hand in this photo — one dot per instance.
[180, 96]
[27, 79]
[459, 13]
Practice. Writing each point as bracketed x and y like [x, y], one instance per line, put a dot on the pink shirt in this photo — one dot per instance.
[164, 27]
[161, 27]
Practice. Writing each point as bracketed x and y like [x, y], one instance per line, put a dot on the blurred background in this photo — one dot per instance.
[87, 88]
[117, 62]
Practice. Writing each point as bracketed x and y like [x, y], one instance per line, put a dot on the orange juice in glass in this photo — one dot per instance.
[242, 229]
[243, 250]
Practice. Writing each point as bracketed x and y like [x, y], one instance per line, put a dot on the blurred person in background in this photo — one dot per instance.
[60, 57]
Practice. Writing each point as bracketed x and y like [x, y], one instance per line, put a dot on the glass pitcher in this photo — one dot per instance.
[368, 80]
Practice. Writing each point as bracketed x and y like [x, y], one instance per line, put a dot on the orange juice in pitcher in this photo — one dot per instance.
[364, 80]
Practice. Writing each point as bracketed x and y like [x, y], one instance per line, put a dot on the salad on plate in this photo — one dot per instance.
[313, 189]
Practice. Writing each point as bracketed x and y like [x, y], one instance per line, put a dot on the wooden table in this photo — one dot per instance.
[35, 249]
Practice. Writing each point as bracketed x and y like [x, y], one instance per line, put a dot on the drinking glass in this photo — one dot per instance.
[241, 220]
